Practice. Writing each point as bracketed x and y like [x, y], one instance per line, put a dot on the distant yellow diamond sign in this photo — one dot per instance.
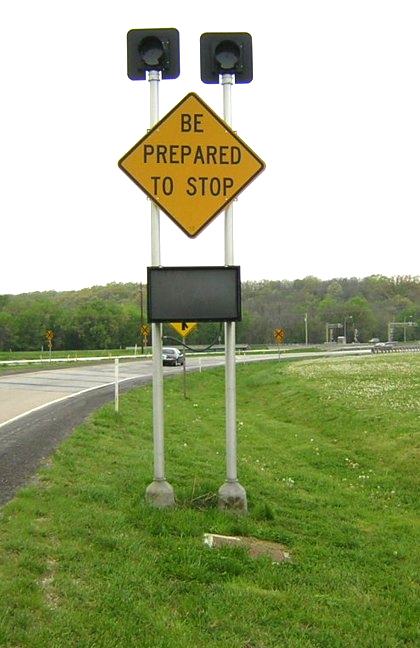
[191, 164]
[279, 335]
[184, 328]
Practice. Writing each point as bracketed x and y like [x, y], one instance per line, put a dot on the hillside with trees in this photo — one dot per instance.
[105, 317]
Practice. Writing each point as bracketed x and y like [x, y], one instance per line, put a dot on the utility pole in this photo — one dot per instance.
[346, 317]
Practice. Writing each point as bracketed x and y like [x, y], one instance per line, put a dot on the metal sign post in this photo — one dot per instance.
[159, 493]
[50, 336]
[231, 494]
[184, 329]
[141, 319]
[184, 372]
[279, 335]
[116, 390]
[192, 165]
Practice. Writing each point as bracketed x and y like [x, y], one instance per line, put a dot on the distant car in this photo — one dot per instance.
[374, 341]
[380, 346]
[172, 357]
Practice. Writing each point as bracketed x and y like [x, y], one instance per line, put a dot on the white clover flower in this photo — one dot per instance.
[288, 481]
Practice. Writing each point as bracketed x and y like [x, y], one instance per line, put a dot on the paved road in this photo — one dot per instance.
[40, 409]
[25, 392]
[20, 393]
[28, 440]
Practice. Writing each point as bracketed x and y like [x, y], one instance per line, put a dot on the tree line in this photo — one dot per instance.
[105, 317]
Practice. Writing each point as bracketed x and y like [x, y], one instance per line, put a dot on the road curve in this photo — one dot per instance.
[40, 409]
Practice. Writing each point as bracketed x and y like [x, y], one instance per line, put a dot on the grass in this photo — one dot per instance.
[326, 451]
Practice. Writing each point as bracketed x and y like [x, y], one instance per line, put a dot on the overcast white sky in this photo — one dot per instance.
[334, 111]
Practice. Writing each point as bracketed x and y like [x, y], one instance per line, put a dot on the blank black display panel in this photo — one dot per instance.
[194, 294]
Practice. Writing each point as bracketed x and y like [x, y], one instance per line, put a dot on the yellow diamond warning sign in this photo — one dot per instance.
[191, 164]
[184, 328]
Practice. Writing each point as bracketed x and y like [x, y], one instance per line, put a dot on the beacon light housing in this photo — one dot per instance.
[226, 53]
[153, 49]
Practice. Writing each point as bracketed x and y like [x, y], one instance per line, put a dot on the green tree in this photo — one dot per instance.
[96, 325]
[6, 332]
[362, 319]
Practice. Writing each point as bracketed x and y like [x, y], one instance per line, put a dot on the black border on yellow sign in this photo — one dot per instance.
[227, 128]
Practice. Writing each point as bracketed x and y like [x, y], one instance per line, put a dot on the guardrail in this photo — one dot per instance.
[241, 349]
[395, 349]
[81, 359]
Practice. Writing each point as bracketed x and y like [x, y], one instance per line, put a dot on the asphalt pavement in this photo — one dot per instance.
[28, 441]
[41, 408]
[23, 392]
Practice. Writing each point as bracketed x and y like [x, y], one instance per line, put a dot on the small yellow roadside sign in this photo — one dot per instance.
[184, 328]
[145, 330]
[279, 335]
[191, 164]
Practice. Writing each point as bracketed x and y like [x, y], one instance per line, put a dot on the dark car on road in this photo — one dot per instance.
[383, 346]
[172, 357]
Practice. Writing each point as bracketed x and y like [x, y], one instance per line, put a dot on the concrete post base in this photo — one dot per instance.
[232, 496]
[160, 494]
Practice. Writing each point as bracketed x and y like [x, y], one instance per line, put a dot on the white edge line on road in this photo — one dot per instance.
[63, 398]
[108, 384]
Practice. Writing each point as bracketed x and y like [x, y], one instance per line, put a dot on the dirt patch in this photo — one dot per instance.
[255, 548]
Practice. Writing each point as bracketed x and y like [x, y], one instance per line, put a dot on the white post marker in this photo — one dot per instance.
[116, 399]
[159, 493]
[231, 494]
